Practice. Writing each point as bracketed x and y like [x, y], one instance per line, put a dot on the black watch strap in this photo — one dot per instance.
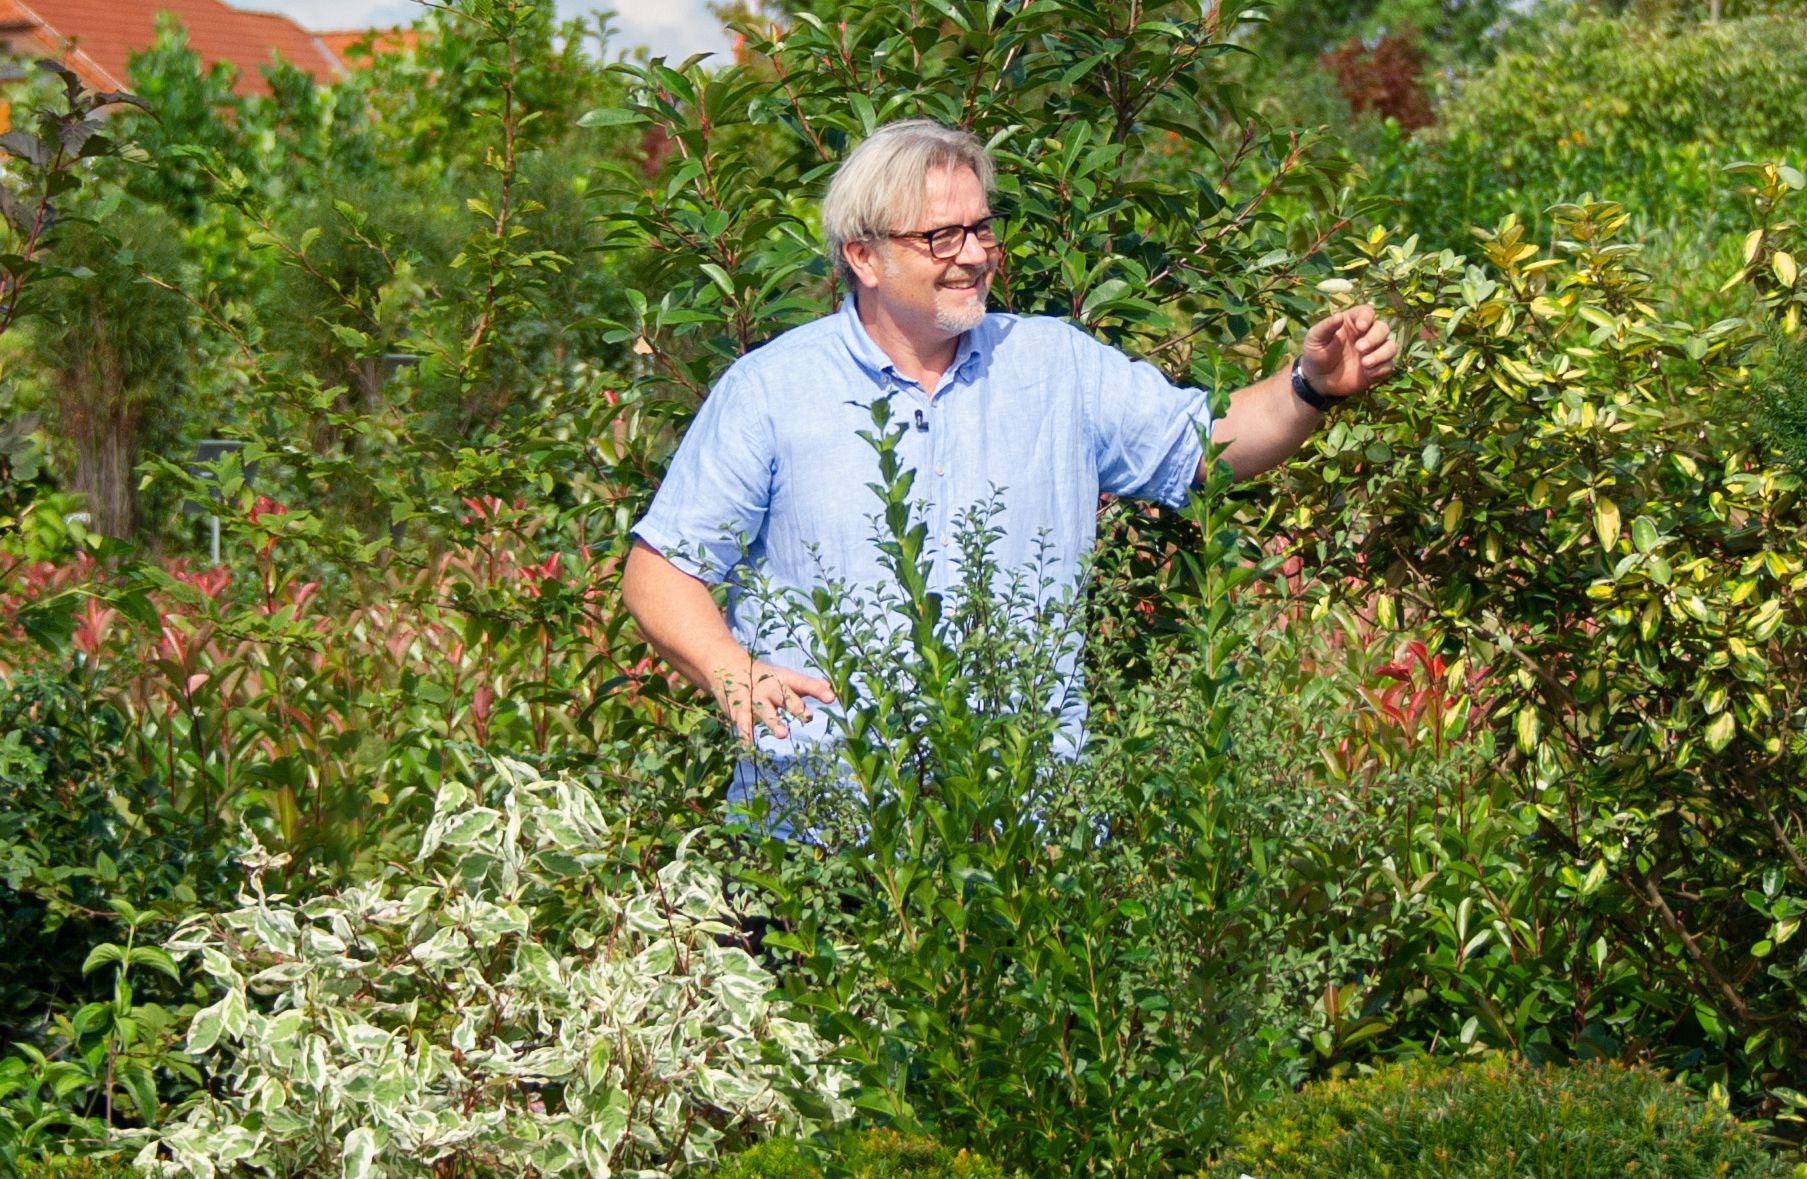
[1322, 402]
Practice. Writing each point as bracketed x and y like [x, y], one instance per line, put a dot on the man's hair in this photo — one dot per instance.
[879, 186]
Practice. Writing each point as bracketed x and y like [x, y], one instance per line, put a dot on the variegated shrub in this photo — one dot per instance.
[523, 998]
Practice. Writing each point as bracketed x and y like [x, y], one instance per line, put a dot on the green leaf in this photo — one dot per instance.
[1102, 295]
[1527, 728]
[611, 116]
[105, 954]
[1783, 264]
[353, 339]
[1606, 522]
[1721, 731]
[156, 958]
[141, 1087]
[719, 277]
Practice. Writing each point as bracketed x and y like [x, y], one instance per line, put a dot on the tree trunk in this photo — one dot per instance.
[103, 475]
[101, 418]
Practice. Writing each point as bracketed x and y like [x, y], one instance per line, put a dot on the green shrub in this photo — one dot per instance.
[1495, 1118]
[79, 1167]
[1783, 391]
[80, 834]
[1639, 112]
[871, 1154]
[1564, 492]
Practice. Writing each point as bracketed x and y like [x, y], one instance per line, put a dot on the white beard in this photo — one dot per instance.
[953, 320]
[963, 318]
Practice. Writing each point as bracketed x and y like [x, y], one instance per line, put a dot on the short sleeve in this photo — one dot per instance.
[1146, 431]
[712, 504]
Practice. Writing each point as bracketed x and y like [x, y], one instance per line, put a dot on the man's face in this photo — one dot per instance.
[938, 296]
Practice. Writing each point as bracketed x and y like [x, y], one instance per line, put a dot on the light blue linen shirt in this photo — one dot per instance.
[771, 482]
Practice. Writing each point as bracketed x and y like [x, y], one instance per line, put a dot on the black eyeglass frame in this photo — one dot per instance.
[992, 223]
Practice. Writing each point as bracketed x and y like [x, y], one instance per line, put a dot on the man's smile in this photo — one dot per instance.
[965, 282]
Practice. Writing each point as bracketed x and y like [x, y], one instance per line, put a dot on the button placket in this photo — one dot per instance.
[941, 565]
[919, 426]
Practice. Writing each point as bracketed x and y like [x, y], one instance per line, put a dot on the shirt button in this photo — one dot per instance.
[944, 542]
[940, 470]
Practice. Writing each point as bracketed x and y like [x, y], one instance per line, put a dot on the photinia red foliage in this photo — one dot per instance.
[1382, 78]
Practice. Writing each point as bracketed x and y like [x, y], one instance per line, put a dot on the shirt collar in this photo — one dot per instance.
[972, 347]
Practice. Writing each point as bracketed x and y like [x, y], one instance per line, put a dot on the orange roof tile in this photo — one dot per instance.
[104, 32]
[340, 42]
[27, 38]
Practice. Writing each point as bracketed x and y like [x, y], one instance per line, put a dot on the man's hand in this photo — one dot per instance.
[763, 693]
[680, 620]
[1344, 354]
[1348, 352]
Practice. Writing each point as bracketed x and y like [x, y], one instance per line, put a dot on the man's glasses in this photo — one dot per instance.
[947, 241]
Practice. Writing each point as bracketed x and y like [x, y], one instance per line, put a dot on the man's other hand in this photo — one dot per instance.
[763, 693]
[1348, 352]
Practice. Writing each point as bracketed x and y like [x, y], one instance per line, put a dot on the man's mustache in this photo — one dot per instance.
[969, 274]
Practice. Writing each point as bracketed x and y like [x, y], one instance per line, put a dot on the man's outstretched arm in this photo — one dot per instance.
[1344, 354]
[679, 618]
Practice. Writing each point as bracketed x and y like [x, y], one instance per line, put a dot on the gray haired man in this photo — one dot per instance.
[773, 474]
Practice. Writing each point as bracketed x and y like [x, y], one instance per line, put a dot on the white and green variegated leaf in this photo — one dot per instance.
[359, 1156]
[205, 1028]
[448, 945]
[279, 976]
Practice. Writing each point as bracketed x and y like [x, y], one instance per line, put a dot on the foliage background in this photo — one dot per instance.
[1477, 728]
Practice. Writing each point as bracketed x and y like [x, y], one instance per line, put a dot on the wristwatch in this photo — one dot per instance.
[1322, 402]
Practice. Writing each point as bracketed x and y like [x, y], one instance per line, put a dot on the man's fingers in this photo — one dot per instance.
[768, 708]
[772, 694]
[1322, 333]
[1356, 328]
[740, 715]
[1381, 357]
[792, 703]
[815, 687]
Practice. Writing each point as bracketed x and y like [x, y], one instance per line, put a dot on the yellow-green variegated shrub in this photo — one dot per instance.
[1565, 493]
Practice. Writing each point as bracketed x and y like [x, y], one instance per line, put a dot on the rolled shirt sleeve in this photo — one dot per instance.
[710, 511]
[1146, 431]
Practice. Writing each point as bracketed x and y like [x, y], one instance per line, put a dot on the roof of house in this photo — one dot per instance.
[344, 43]
[94, 37]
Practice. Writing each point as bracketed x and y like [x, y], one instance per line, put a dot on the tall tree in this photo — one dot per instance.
[113, 350]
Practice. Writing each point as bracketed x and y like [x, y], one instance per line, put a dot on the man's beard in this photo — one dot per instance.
[970, 315]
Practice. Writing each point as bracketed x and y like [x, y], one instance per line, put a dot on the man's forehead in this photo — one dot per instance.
[949, 190]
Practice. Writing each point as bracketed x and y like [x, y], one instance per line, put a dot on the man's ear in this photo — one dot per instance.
[863, 257]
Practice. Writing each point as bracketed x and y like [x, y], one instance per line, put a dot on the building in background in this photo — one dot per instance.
[94, 38]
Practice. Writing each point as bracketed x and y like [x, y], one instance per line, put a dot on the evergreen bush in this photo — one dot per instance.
[872, 1154]
[79, 1167]
[1645, 113]
[1420, 1119]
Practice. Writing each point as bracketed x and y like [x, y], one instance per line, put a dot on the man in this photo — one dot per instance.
[773, 475]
